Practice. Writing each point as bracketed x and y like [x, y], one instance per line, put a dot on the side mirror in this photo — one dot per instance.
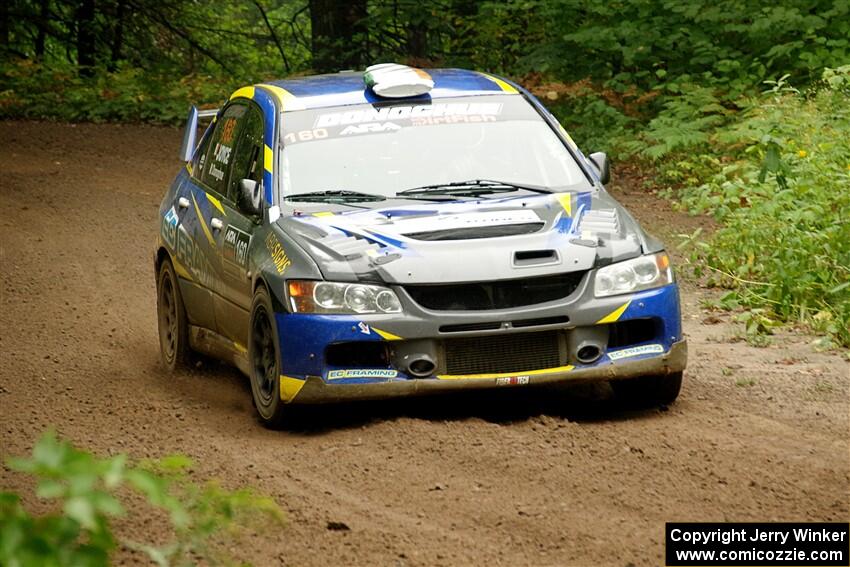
[250, 197]
[603, 168]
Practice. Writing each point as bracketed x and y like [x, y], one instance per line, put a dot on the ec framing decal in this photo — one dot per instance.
[362, 373]
[635, 351]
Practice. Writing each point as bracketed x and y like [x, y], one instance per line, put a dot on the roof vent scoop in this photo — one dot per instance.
[392, 80]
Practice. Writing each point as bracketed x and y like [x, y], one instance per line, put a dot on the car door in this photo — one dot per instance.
[233, 304]
[204, 193]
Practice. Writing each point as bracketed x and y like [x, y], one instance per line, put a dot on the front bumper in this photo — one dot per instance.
[312, 375]
[315, 390]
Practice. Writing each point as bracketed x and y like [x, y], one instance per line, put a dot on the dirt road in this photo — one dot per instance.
[758, 434]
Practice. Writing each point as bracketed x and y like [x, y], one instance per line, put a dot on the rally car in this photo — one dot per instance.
[401, 232]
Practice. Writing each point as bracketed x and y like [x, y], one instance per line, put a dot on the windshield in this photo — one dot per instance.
[388, 147]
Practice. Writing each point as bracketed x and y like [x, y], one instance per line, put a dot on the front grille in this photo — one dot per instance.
[495, 295]
[465, 327]
[516, 352]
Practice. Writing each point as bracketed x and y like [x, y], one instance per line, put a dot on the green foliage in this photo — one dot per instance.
[592, 121]
[727, 44]
[127, 95]
[89, 491]
[777, 178]
[683, 124]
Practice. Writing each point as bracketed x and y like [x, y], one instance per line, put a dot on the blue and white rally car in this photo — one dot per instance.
[401, 232]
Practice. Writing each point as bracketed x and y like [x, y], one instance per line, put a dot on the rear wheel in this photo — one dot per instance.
[648, 391]
[264, 358]
[173, 324]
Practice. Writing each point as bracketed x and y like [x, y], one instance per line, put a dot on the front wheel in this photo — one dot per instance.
[264, 357]
[648, 391]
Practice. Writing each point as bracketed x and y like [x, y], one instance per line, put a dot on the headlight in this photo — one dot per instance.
[308, 296]
[645, 272]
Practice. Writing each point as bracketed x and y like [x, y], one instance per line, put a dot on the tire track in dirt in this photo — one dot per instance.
[511, 478]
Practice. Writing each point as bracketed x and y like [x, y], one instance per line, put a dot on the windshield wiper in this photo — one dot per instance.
[473, 187]
[335, 196]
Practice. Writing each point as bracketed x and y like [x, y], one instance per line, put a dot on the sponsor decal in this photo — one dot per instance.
[366, 128]
[416, 112]
[278, 254]
[362, 373]
[364, 328]
[191, 255]
[227, 130]
[635, 351]
[512, 381]
[169, 228]
[235, 247]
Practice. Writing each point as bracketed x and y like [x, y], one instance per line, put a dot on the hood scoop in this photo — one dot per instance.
[470, 233]
[469, 226]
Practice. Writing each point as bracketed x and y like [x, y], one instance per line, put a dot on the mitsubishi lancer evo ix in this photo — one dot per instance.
[401, 232]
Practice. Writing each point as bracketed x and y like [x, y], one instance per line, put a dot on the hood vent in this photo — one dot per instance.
[600, 221]
[473, 232]
[346, 247]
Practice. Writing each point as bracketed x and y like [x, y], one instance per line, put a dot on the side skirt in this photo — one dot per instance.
[220, 347]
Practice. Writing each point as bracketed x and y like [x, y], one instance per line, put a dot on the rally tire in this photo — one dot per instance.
[264, 362]
[648, 391]
[172, 321]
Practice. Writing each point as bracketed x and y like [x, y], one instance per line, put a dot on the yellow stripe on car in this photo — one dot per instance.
[181, 270]
[268, 159]
[567, 368]
[387, 336]
[215, 203]
[289, 388]
[568, 137]
[616, 314]
[502, 84]
[566, 201]
[286, 99]
[203, 222]
[245, 92]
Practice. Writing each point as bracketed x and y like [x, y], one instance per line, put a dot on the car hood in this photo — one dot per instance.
[472, 240]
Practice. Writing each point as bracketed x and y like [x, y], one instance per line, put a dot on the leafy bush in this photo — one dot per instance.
[89, 491]
[31, 90]
[777, 177]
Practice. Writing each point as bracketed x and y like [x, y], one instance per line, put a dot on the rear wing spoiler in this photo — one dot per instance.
[187, 149]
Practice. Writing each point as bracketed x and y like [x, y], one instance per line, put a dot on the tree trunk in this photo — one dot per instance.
[4, 27]
[85, 38]
[339, 34]
[41, 37]
[417, 39]
[117, 36]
